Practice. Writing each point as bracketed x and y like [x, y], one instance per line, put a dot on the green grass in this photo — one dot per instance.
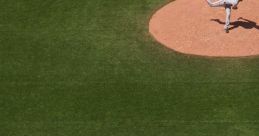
[90, 68]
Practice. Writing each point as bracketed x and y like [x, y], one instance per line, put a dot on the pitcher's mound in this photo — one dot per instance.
[192, 27]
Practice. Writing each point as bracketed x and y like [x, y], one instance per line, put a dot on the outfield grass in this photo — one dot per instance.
[90, 68]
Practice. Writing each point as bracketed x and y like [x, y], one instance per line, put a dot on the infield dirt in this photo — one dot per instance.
[192, 27]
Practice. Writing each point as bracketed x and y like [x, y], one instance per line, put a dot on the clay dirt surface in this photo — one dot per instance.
[192, 27]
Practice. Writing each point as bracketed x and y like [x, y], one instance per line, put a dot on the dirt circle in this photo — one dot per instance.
[192, 27]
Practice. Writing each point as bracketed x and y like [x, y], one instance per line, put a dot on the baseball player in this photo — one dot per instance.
[228, 4]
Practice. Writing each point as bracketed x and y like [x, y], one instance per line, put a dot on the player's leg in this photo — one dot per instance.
[228, 14]
[219, 3]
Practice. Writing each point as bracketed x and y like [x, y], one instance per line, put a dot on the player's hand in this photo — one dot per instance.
[235, 8]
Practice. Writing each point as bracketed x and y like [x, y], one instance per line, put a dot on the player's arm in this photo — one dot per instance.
[235, 6]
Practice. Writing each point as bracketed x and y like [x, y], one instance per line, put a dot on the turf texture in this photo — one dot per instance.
[90, 68]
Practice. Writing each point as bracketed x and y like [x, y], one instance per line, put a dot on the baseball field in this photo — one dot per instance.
[91, 68]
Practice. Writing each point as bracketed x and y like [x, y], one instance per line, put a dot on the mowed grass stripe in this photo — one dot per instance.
[91, 68]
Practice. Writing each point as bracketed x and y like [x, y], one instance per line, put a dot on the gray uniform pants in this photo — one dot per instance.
[228, 13]
[224, 3]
